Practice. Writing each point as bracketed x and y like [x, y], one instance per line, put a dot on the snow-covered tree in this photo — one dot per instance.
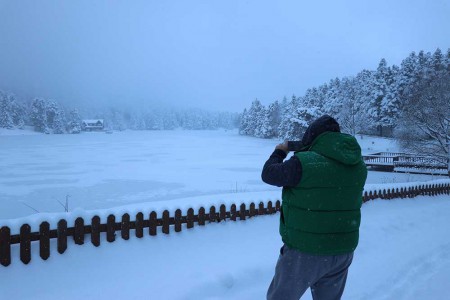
[74, 122]
[38, 115]
[6, 119]
[425, 122]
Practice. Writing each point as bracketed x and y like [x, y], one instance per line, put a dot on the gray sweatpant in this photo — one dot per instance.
[296, 272]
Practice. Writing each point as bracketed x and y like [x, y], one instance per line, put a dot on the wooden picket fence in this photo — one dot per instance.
[80, 230]
[410, 192]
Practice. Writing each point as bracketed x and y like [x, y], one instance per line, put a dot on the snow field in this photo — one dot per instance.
[403, 252]
[102, 171]
[403, 249]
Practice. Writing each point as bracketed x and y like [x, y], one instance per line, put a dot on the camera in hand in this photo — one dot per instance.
[295, 146]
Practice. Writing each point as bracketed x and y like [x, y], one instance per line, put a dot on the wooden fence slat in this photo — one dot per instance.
[178, 220]
[212, 214]
[201, 216]
[125, 227]
[44, 240]
[223, 212]
[252, 210]
[5, 246]
[242, 212]
[261, 209]
[190, 218]
[270, 208]
[166, 222]
[111, 228]
[25, 243]
[233, 212]
[78, 234]
[139, 225]
[61, 235]
[153, 222]
[95, 231]
[278, 205]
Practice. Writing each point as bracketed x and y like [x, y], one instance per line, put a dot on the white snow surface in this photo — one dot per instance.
[103, 171]
[404, 253]
[404, 250]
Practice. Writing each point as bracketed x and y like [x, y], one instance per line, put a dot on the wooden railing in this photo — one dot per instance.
[163, 224]
[409, 192]
[401, 160]
[153, 223]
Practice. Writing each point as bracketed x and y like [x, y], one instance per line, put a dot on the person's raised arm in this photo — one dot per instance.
[279, 173]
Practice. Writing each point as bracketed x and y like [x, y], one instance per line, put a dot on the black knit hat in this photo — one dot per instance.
[319, 126]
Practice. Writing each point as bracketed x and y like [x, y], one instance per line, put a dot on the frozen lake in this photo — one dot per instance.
[99, 170]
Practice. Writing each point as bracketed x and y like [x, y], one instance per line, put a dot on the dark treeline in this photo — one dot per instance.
[49, 116]
[410, 102]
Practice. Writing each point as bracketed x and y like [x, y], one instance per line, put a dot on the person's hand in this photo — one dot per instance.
[283, 146]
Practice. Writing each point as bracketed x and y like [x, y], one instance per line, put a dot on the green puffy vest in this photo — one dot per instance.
[321, 215]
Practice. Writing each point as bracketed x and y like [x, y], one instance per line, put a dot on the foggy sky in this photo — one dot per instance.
[214, 54]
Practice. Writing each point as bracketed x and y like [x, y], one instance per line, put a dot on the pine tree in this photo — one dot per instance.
[38, 115]
[299, 118]
[59, 122]
[19, 114]
[254, 115]
[284, 118]
[74, 122]
[438, 63]
[274, 119]
[447, 60]
[6, 120]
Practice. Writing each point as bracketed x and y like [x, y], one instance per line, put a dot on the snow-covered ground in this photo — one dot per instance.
[99, 170]
[403, 252]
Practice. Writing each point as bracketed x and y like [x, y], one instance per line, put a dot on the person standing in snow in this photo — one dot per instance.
[320, 212]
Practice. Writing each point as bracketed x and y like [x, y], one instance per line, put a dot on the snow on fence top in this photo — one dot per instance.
[184, 205]
[90, 222]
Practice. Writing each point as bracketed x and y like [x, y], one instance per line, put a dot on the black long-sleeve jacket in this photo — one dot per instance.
[279, 173]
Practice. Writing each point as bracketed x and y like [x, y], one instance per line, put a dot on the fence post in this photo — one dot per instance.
[261, 209]
[277, 205]
[242, 212]
[223, 212]
[212, 214]
[153, 222]
[270, 208]
[5, 246]
[44, 240]
[125, 227]
[166, 222]
[78, 231]
[139, 225]
[201, 216]
[95, 231]
[178, 220]
[25, 243]
[252, 210]
[233, 212]
[111, 228]
[190, 218]
[61, 235]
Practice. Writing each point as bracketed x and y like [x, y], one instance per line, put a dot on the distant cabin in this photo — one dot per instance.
[92, 125]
